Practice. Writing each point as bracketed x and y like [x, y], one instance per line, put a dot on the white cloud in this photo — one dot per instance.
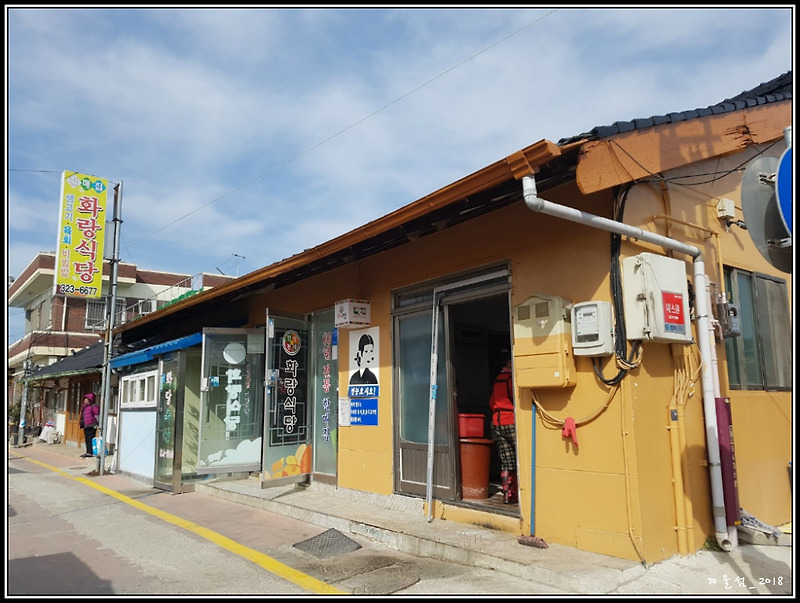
[263, 132]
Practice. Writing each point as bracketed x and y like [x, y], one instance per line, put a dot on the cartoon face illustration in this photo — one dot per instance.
[365, 356]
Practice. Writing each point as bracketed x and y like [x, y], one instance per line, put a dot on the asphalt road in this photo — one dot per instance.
[71, 533]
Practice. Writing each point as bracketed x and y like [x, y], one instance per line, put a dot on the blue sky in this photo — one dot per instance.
[244, 136]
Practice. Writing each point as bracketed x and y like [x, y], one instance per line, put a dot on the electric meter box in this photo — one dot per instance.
[592, 329]
[656, 299]
[542, 352]
[728, 318]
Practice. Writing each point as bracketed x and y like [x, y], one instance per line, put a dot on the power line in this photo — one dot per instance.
[329, 138]
[351, 126]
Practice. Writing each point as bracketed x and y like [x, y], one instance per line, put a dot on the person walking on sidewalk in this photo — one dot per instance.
[501, 403]
[89, 421]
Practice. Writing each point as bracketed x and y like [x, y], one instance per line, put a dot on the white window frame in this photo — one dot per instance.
[139, 390]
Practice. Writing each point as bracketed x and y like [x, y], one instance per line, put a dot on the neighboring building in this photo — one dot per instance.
[57, 326]
[615, 267]
[51, 388]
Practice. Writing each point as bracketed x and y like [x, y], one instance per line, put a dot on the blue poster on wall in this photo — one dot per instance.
[364, 411]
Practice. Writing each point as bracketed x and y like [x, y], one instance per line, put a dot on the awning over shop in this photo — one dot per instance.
[147, 354]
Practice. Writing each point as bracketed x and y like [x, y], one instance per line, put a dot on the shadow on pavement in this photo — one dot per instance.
[59, 574]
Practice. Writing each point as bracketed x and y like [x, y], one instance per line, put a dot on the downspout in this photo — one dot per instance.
[731, 522]
[537, 204]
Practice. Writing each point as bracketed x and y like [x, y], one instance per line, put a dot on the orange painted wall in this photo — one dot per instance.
[614, 493]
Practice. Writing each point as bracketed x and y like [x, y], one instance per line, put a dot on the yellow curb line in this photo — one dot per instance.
[265, 561]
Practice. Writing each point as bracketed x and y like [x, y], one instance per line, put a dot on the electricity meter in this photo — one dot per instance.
[728, 317]
[542, 353]
[592, 329]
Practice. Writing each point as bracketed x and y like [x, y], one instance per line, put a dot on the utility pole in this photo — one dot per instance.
[23, 410]
[111, 315]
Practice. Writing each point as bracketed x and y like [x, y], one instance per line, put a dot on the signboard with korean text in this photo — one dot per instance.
[352, 313]
[674, 321]
[290, 381]
[363, 388]
[81, 232]
[288, 423]
[324, 400]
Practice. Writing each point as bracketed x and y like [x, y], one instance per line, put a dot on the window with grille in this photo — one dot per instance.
[760, 358]
[96, 313]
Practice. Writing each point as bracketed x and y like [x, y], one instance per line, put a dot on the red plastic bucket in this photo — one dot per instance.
[471, 425]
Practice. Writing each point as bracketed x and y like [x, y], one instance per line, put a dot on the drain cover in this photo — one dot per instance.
[328, 544]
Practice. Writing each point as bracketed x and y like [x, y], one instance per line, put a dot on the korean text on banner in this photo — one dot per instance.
[81, 230]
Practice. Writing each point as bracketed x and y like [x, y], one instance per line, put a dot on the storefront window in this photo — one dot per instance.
[232, 402]
[325, 392]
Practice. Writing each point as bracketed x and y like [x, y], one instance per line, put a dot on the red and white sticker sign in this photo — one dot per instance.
[673, 312]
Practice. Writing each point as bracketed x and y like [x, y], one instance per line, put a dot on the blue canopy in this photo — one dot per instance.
[147, 354]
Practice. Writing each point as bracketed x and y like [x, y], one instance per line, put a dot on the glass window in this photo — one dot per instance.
[96, 313]
[760, 358]
[139, 390]
[324, 390]
[151, 387]
[232, 399]
[414, 362]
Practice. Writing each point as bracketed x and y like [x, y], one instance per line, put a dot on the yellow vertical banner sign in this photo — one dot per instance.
[81, 231]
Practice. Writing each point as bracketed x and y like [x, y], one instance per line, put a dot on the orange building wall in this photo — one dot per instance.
[614, 493]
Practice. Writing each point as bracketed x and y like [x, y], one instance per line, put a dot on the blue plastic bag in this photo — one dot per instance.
[97, 446]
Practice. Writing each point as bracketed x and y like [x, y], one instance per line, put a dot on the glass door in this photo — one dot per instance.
[426, 435]
[169, 407]
[177, 419]
[413, 353]
[287, 451]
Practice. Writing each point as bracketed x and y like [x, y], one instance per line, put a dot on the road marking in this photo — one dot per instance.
[274, 566]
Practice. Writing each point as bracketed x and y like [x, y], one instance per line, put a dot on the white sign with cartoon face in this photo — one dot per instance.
[364, 363]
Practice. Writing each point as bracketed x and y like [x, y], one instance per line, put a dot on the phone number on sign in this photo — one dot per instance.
[80, 290]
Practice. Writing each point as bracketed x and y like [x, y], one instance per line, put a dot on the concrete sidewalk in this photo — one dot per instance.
[400, 522]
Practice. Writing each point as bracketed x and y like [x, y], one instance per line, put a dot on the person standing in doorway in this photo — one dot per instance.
[501, 403]
[89, 421]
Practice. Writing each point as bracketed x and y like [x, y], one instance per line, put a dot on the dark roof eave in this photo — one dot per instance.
[31, 379]
[513, 167]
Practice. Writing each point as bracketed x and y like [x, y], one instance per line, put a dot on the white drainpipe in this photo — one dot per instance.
[537, 204]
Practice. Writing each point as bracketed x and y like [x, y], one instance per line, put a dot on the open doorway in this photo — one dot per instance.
[461, 342]
[481, 330]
